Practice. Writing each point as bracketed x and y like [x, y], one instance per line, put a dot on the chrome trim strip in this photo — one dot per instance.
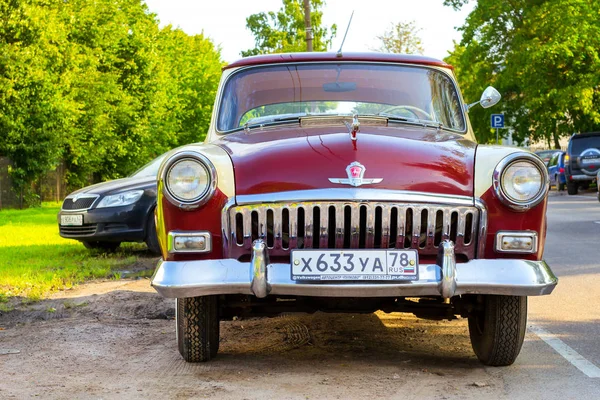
[482, 235]
[352, 194]
[507, 162]
[225, 232]
[174, 234]
[447, 262]
[212, 175]
[530, 234]
[83, 196]
[211, 277]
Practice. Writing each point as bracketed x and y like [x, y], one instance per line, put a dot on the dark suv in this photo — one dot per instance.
[582, 161]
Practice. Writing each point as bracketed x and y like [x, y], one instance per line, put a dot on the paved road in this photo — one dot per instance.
[112, 346]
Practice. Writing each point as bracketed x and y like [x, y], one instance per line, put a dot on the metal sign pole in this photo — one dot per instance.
[497, 136]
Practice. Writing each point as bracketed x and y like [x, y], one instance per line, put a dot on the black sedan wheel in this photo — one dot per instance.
[497, 328]
[151, 236]
[105, 246]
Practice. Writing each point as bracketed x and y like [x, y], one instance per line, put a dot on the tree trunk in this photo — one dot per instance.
[309, 33]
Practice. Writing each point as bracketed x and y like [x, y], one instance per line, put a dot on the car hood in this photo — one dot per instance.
[405, 158]
[119, 185]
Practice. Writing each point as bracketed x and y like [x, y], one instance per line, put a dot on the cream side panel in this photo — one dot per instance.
[222, 163]
[486, 159]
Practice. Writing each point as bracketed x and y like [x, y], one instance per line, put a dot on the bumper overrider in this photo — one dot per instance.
[445, 278]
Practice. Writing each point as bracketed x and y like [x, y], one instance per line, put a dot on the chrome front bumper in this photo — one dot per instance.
[445, 278]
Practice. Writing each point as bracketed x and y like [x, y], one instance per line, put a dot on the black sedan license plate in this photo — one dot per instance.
[355, 265]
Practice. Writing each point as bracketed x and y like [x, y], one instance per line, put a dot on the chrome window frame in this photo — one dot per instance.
[219, 99]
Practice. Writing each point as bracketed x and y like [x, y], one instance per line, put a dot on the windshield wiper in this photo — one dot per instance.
[413, 121]
[261, 122]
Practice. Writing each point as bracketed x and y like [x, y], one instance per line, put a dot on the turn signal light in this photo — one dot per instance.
[516, 242]
[189, 242]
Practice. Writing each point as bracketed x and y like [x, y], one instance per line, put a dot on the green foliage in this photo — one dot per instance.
[401, 38]
[284, 31]
[544, 58]
[98, 85]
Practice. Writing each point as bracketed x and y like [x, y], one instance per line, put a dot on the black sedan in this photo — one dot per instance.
[102, 216]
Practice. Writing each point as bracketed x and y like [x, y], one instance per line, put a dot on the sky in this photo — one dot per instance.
[224, 21]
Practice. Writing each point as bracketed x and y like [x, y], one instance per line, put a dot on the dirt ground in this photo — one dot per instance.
[116, 339]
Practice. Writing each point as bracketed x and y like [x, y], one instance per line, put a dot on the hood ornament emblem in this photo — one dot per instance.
[354, 128]
[356, 172]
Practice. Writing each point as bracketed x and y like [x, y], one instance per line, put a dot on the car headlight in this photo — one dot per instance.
[120, 199]
[521, 181]
[189, 180]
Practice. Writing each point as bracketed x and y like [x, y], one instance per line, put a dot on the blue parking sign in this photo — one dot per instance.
[497, 120]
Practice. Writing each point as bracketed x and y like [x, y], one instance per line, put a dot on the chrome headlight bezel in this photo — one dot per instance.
[503, 166]
[204, 163]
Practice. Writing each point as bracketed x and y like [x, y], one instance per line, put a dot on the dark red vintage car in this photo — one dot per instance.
[350, 183]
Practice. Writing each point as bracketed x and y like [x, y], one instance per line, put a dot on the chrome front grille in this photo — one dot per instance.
[347, 224]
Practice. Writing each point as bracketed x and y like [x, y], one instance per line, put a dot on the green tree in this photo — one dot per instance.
[284, 31]
[99, 86]
[544, 58]
[401, 38]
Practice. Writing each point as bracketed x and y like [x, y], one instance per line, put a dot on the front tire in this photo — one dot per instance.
[572, 188]
[197, 328]
[497, 328]
[102, 246]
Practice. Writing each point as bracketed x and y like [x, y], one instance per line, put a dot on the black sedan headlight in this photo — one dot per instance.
[120, 199]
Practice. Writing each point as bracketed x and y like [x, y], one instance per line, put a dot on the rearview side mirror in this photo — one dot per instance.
[489, 98]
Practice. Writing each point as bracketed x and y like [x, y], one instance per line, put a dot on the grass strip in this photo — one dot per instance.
[35, 260]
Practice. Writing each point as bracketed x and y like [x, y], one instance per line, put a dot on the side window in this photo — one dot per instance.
[553, 161]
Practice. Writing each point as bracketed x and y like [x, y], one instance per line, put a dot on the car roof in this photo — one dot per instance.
[322, 56]
[584, 134]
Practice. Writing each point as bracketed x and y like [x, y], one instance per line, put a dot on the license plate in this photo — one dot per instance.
[355, 265]
[71, 220]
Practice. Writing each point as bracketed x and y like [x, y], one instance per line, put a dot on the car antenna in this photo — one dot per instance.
[339, 52]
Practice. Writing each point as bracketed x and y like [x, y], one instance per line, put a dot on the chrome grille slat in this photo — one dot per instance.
[354, 226]
[416, 227]
[300, 231]
[370, 227]
[247, 221]
[293, 212]
[308, 227]
[385, 225]
[323, 227]
[431, 221]
[339, 225]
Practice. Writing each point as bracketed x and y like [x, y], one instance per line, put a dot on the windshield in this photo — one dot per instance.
[150, 169]
[262, 94]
